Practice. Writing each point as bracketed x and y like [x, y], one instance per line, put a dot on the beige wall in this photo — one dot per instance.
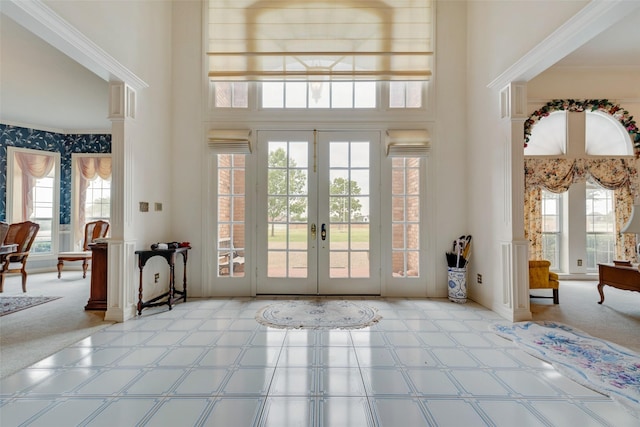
[499, 33]
[138, 35]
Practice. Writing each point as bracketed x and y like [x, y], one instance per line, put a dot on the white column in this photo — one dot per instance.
[122, 266]
[513, 300]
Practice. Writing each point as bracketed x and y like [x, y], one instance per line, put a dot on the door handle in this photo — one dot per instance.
[323, 232]
[313, 231]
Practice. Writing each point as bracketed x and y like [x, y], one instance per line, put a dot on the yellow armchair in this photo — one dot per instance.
[541, 278]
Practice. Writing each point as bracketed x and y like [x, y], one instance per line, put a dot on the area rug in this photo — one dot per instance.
[318, 314]
[595, 363]
[10, 305]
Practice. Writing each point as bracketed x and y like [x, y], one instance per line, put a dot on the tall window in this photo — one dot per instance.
[231, 215]
[551, 227]
[91, 193]
[405, 217]
[98, 201]
[601, 238]
[33, 195]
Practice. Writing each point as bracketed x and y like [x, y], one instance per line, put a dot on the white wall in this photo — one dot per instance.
[499, 33]
[138, 35]
[188, 150]
[450, 154]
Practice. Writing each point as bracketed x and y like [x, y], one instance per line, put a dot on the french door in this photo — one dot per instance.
[318, 213]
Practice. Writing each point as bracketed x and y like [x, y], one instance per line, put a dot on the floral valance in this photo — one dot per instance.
[603, 105]
[557, 175]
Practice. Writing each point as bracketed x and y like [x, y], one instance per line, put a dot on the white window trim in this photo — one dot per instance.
[55, 223]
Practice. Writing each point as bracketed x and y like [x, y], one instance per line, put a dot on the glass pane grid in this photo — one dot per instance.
[551, 227]
[405, 224]
[98, 200]
[319, 94]
[231, 216]
[287, 209]
[349, 233]
[600, 226]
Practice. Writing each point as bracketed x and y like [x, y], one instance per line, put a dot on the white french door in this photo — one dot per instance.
[318, 213]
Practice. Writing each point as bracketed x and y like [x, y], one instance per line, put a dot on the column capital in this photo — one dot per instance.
[513, 101]
[122, 101]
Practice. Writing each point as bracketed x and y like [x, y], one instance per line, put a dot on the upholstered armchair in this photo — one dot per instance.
[541, 278]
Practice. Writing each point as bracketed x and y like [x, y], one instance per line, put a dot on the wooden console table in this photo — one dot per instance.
[621, 277]
[173, 294]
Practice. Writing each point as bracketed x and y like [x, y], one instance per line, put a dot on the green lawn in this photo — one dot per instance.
[359, 233]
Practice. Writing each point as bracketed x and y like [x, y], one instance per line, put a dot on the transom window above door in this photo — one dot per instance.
[320, 94]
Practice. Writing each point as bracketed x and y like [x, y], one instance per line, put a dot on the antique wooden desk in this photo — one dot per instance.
[99, 266]
[173, 294]
[621, 277]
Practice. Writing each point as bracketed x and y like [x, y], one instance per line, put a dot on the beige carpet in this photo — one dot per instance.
[30, 335]
[616, 320]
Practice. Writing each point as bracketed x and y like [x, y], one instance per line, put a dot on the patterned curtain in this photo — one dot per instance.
[557, 175]
[533, 221]
[89, 168]
[625, 243]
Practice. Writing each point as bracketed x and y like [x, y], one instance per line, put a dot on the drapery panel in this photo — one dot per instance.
[88, 169]
[33, 166]
[557, 175]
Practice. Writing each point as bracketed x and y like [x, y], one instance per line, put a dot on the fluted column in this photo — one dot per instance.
[514, 296]
[121, 256]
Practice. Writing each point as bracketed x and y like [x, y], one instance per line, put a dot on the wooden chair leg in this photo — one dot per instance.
[60, 265]
[1, 282]
[556, 299]
[85, 264]
[24, 281]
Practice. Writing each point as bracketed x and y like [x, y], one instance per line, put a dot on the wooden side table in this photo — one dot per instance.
[173, 294]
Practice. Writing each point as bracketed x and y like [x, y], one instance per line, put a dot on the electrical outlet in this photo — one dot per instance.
[479, 279]
[156, 278]
[579, 263]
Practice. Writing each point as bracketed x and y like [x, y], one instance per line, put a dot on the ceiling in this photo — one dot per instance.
[76, 99]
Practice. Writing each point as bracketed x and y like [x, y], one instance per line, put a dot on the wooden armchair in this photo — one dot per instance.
[541, 278]
[92, 230]
[4, 229]
[21, 234]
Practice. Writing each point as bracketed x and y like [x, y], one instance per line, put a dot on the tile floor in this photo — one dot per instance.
[209, 363]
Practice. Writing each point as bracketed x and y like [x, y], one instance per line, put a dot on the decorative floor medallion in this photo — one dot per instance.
[318, 314]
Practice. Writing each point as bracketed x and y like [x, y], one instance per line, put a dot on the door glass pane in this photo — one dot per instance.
[349, 209]
[288, 206]
[339, 264]
[359, 264]
[297, 264]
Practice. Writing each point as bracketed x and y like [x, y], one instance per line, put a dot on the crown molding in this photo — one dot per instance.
[57, 130]
[590, 21]
[41, 20]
